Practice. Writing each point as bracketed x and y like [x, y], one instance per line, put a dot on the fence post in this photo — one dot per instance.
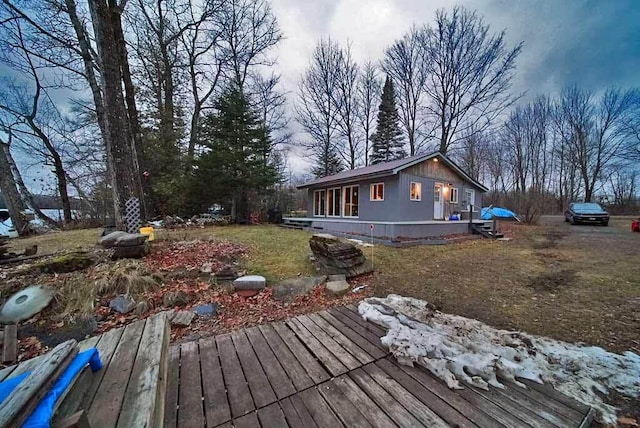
[470, 218]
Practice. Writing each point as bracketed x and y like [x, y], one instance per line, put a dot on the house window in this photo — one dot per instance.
[377, 192]
[333, 202]
[415, 191]
[319, 203]
[470, 196]
[454, 195]
[351, 201]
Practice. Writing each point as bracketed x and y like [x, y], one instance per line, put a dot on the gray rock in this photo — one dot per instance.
[339, 277]
[209, 310]
[228, 272]
[142, 307]
[123, 304]
[337, 288]
[123, 239]
[288, 289]
[109, 240]
[182, 318]
[250, 282]
[175, 298]
[335, 256]
[131, 252]
[206, 268]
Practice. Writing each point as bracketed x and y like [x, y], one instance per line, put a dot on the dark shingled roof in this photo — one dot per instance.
[387, 168]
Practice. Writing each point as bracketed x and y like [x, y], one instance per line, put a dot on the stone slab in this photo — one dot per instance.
[288, 289]
[337, 288]
[250, 282]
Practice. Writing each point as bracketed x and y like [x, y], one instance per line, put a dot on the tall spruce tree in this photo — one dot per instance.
[387, 144]
[235, 162]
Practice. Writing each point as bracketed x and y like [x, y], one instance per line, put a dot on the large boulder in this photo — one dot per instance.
[338, 257]
[126, 245]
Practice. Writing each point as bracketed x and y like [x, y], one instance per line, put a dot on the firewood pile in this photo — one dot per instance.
[6, 255]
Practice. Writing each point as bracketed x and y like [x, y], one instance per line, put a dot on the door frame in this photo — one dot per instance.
[438, 215]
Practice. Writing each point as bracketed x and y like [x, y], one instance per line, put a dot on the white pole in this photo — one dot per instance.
[371, 246]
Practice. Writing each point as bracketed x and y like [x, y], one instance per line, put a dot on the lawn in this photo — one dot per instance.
[574, 283]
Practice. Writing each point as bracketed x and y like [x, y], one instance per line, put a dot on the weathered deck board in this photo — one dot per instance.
[190, 412]
[315, 371]
[328, 370]
[261, 390]
[240, 400]
[106, 405]
[216, 406]
[289, 362]
[278, 378]
[144, 398]
[171, 403]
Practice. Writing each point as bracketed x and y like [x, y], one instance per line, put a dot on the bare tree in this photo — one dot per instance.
[247, 30]
[594, 131]
[26, 107]
[469, 74]
[368, 93]
[404, 62]
[204, 63]
[270, 103]
[347, 106]
[315, 109]
[13, 199]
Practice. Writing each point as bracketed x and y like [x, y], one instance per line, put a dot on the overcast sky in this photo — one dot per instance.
[593, 44]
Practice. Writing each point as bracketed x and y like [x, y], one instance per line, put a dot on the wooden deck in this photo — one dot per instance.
[129, 391]
[328, 369]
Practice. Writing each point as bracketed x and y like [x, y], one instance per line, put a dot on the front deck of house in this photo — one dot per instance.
[328, 369]
[389, 230]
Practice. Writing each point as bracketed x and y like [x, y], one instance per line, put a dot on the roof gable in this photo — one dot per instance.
[388, 168]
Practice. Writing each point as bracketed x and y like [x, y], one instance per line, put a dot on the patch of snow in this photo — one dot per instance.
[458, 349]
[360, 242]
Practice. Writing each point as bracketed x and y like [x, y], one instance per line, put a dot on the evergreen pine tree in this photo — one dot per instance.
[387, 144]
[235, 160]
[328, 163]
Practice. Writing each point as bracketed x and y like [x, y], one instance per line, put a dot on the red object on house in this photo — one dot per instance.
[254, 218]
[635, 225]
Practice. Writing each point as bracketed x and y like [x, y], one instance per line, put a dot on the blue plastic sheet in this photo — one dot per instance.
[487, 213]
[41, 416]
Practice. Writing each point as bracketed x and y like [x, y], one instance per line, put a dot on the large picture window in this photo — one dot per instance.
[351, 201]
[377, 192]
[333, 202]
[415, 191]
[319, 203]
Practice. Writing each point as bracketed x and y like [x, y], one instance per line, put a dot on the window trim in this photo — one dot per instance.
[371, 192]
[419, 185]
[452, 191]
[332, 190]
[466, 208]
[321, 205]
[344, 200]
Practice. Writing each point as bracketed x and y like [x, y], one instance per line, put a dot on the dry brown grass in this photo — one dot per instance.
[575, 283]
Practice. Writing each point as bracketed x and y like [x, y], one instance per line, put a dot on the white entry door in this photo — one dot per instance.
[438, 205]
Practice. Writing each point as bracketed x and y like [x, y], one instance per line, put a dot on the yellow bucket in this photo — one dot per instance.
[148, 231]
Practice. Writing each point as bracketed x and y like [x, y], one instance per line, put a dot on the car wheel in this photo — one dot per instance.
[606, 223]
[566, 219]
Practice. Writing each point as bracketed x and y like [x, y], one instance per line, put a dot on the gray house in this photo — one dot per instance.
[417, 197]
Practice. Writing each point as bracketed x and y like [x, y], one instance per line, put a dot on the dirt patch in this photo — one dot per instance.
[548, 239]
[553, 281]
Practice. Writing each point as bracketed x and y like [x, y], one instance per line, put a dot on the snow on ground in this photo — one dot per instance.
[458, 349]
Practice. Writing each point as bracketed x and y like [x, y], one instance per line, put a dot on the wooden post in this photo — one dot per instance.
[10, 343]
[470, 218]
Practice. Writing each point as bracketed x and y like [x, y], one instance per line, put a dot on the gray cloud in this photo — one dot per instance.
[593, 44]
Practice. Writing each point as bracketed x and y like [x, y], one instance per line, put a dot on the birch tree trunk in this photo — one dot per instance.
[10, 192]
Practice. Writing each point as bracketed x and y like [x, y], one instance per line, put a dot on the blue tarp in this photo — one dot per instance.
[487, 213]
[41, 416]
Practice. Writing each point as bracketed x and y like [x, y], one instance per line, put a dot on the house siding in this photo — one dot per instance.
[397, 205]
